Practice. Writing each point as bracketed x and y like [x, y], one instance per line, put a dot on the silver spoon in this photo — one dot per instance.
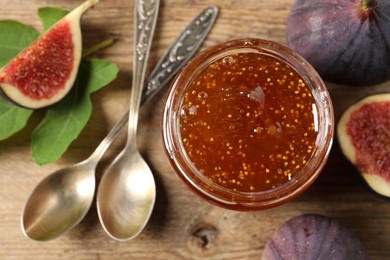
[127, 191]
[62, 199]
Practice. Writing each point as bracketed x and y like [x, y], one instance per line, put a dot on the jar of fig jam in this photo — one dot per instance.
[248, 124]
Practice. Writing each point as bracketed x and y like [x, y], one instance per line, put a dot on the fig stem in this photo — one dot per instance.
[98, 47]
[366, 4]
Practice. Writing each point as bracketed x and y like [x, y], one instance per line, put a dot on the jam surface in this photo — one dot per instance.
[248, 122]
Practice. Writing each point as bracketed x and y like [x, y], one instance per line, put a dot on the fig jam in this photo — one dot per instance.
[243, 124]
[248, 122]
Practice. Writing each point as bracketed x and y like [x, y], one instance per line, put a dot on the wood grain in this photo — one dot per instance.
[182, 226]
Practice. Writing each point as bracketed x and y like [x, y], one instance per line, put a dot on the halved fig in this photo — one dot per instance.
[347, 41]
[45, 71]
[313, 236]
[364, 136]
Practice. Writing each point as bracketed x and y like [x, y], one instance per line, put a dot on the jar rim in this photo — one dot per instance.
[257, 199]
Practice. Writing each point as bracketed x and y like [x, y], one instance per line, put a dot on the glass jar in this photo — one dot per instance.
[248, 124]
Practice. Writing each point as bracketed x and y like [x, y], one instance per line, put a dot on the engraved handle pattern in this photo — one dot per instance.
[181, 51]
[145, 18]
[146, 15]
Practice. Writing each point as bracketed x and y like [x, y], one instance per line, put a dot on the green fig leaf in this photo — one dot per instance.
[50, 15]
[12, 118]
[14, 37]
[66, 119]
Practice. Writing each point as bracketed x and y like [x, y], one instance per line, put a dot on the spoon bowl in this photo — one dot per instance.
[59, 202]
[128, 194]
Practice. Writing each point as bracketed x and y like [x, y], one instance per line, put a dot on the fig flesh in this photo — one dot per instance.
[364, 136]
[313, 236]
[347, 41]
[44, 72]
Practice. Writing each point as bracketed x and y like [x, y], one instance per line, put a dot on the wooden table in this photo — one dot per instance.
[182, 226]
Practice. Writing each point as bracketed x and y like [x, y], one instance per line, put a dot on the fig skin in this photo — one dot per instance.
[45, 71]
[368, 150]
[313, 236]
[347, 41]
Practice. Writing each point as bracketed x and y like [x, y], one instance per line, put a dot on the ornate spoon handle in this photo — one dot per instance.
[145, 18]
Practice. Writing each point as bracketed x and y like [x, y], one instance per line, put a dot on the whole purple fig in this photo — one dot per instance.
[313, 236]
[347, 41]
